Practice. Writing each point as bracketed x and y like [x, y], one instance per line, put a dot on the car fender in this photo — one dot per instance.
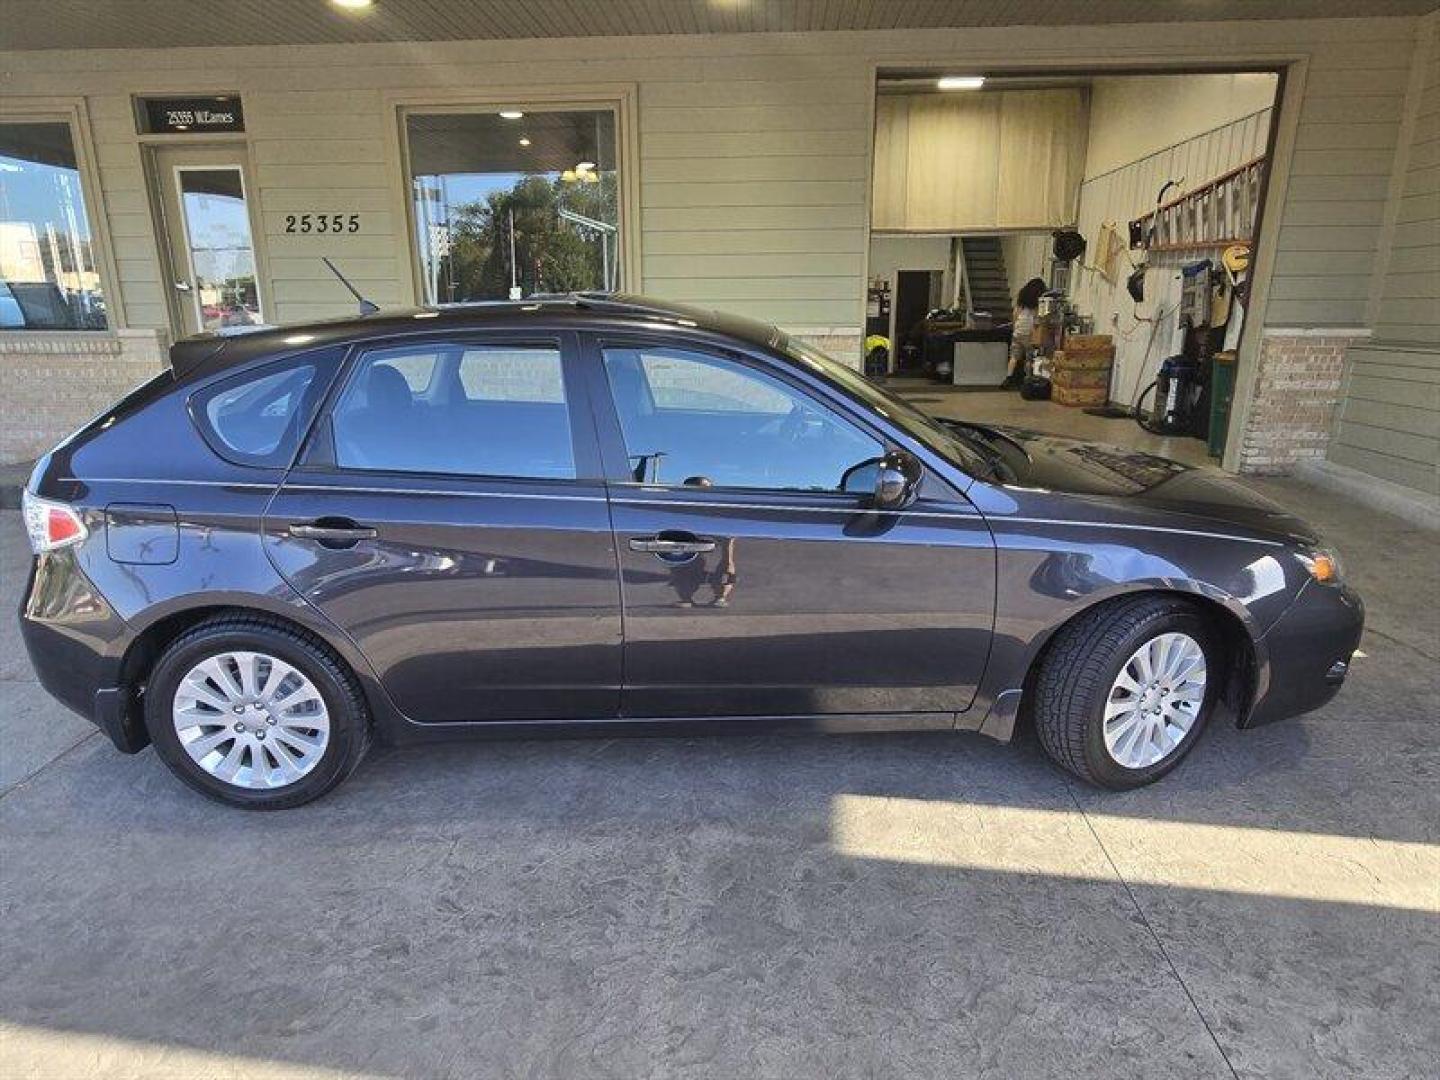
[1044, 587]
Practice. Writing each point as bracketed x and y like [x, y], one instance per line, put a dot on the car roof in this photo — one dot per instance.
[232, 346]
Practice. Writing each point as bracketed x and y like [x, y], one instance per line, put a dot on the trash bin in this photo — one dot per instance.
[1222, 393]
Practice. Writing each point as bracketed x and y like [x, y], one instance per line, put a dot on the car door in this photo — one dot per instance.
[450, 516]
[754, 583]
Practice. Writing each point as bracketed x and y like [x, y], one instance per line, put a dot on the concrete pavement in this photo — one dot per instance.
[869, 906]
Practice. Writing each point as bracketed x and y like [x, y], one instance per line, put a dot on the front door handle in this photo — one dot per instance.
[333, 533]
[672, 544]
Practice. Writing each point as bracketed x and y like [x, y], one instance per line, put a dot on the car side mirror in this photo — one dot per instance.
[897, 481]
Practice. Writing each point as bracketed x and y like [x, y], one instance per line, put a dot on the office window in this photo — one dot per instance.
[514, 203]
[49, 269]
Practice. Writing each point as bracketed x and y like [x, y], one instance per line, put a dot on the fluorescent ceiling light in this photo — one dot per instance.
[352, 5]
[524, 141]
[511, 114]
[960, 82]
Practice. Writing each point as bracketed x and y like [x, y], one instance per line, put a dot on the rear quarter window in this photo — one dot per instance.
[258, 417]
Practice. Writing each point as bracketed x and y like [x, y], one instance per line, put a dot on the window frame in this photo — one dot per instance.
[618, 473]
[74, 112]
[317, 455]
[619, 98]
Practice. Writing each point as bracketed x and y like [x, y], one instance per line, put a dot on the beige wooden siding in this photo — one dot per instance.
[1329, 232]
[1409, 308]
[1388, 422]
[738, 135]
[127, 209]
[1389, 418]
[325, 151]
[753, 190]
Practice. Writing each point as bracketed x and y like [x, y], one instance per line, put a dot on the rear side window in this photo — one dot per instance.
[485, 410]
[259, 417]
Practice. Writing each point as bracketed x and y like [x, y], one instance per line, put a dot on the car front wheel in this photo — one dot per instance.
[1125, 690]
[255, 713]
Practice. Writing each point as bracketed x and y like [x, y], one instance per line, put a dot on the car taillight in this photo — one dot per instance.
[51, 525]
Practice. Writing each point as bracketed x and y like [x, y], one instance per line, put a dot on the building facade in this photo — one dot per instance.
[741, 169]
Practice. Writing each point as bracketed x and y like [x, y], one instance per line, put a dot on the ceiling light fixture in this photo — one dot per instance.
[960, 82]
[352, 5]
[511, 114]
[524, 141]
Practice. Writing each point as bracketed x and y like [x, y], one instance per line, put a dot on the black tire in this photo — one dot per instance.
[1081, 665]
[349, 718]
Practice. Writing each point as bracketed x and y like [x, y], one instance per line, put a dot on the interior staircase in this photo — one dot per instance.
[989, 288]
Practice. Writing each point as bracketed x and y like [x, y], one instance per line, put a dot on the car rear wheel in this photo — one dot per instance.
[1125, 690]
[255, 713]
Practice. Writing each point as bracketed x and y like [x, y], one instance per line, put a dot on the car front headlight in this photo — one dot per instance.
[1322, 563]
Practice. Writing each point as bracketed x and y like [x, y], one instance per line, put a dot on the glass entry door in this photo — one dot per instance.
[209, 236]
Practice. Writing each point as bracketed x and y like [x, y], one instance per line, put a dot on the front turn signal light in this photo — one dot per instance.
[1324, 566]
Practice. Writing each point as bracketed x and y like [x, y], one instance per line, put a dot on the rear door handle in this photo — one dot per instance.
[336, 534]
[666, 545]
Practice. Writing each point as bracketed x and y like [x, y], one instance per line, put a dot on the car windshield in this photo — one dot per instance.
[950, 443]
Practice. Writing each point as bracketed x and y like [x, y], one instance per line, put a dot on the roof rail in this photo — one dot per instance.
[619, 302]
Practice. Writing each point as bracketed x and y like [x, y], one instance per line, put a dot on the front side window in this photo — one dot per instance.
[461, 409]
[702, 420]
[513, 203]
[260, 416]
[49, 268]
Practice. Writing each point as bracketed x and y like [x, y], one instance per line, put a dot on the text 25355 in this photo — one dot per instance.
[322, 223]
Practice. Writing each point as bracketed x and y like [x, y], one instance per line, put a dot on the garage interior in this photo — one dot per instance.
[1134, 198]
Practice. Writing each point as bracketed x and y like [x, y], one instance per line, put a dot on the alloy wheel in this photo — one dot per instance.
[251, 720]
[1155, 701]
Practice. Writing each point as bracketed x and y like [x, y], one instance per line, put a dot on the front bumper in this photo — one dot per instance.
[1309, 650]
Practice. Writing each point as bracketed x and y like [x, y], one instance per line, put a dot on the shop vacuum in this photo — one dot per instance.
[1180, 405]
[1181, 402]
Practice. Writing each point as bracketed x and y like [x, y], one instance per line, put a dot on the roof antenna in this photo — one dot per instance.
[366, 307]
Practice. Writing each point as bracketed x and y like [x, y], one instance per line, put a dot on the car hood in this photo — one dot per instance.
[1034, 460]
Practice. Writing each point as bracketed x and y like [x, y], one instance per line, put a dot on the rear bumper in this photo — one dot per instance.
[1309, 650]
[75, 641]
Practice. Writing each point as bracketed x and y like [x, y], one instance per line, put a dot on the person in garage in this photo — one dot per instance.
[1027, 303]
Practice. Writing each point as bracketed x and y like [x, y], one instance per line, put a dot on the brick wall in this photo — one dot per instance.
[1297, 387]
[50, 384]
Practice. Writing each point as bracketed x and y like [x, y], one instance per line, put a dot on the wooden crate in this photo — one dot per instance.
[1081, 379]
[1069, 360]
[1080, 343]
[1078, 397]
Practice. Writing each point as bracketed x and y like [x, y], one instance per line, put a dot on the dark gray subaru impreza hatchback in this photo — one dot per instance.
[599, 512]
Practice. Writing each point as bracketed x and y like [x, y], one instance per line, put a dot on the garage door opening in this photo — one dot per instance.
[1125, 208]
